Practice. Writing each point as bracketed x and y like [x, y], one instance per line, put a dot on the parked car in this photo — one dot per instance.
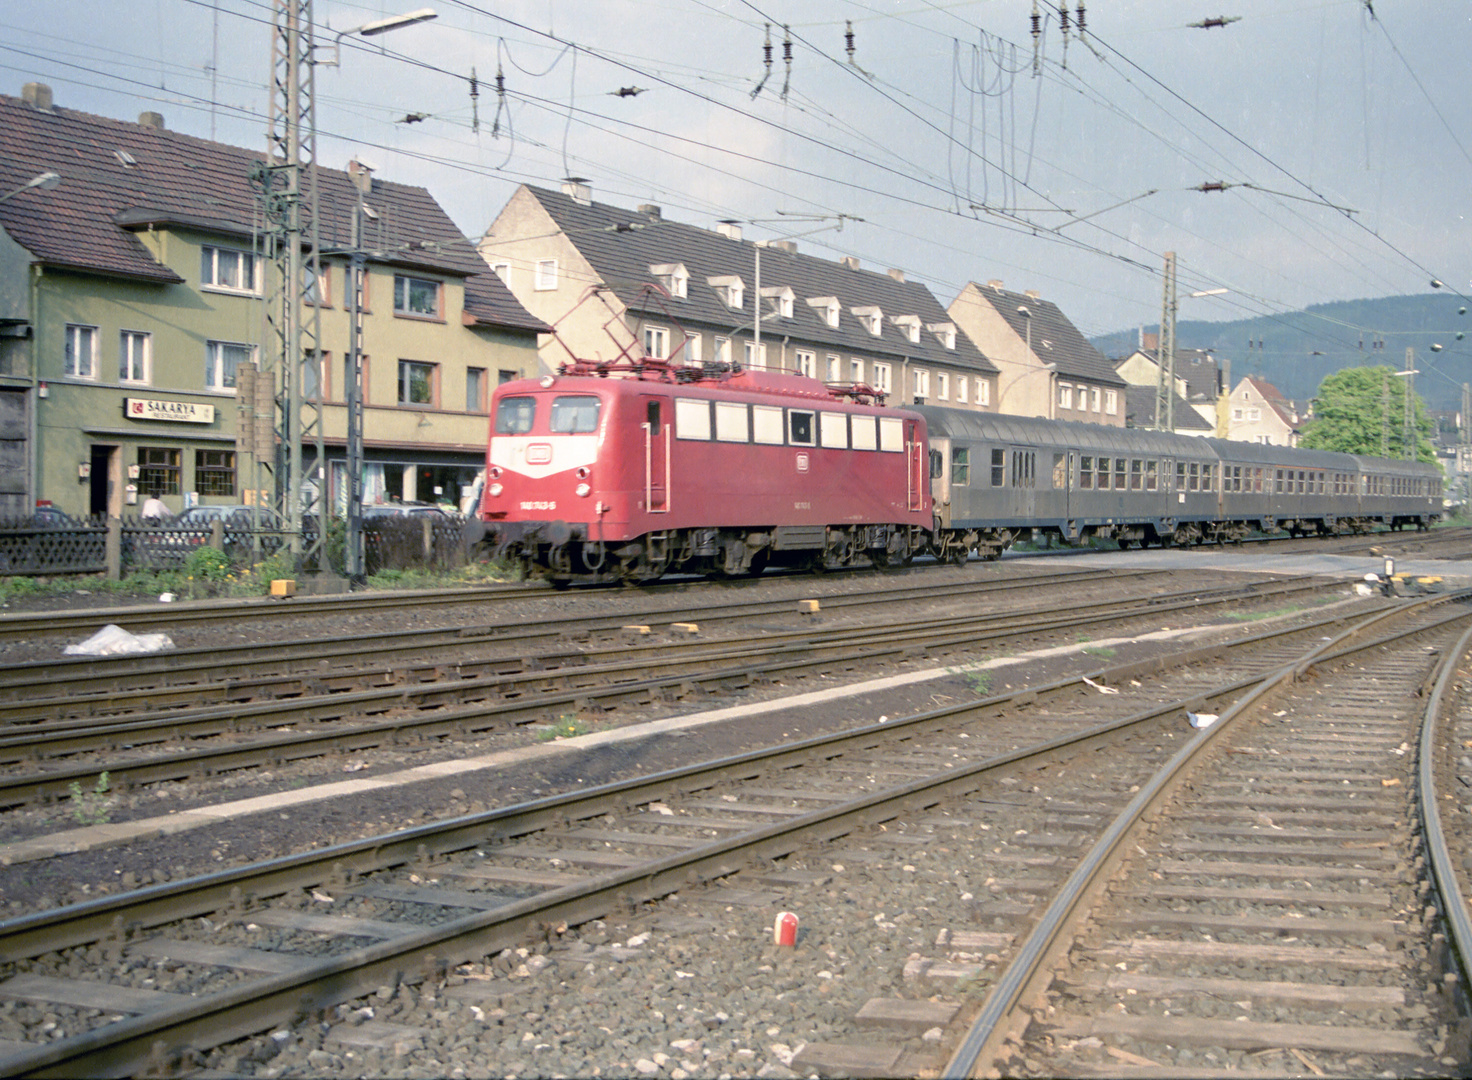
[379, 510]
[169, 542]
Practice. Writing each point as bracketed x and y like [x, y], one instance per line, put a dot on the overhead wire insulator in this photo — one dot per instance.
[1063, 25]
[766, 60]
[848, 39]
[786, 59]
[474, 103]
[1078, 21]
[500, 100]
[1037, 38]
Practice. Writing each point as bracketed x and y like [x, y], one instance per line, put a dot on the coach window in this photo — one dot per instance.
[1300, 482]
[766, 424]
[1024, 464]
[692, 419]
[833, 430]
[1151, 475]
[961, 465]
[731, 422]
[514, 415]
[1194, 483]
[575, 415]
[1101, 477]
[1120, 464]
[999, 468]
[864, 432]
[1086, 473]
[1137, 474]
[799, 427]
[1060, 471]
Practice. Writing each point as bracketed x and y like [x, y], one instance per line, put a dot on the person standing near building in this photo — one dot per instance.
[154, 510]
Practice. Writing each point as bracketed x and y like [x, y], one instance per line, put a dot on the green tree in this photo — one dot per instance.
[1359, 410]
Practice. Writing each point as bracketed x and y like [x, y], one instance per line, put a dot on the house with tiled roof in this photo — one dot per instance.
[1200, 381]
[1046, 367]
[1260, 413]
[1139, 412]
[623, 283]
[132, 297]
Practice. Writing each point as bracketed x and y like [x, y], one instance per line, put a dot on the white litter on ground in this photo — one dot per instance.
[113, 640]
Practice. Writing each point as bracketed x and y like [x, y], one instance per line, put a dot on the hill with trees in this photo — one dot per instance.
[1299, 349]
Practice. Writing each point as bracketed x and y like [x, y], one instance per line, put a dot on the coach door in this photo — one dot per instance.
[1024, 482]
[656, 456]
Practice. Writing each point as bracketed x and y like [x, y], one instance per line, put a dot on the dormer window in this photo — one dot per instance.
[674, 277]
[827, 308]
[909, 326]
[945, 333]
[732, 290]
[870, 318]
[779, 300]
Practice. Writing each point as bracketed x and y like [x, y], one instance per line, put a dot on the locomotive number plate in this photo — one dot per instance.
[538, 505]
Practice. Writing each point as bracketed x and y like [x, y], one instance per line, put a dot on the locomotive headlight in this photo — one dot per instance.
[583, 489]
[495, 490]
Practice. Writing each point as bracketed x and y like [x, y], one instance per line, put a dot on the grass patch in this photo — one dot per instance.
[1254, 616]
[1099, 650]
[91, 807]
[566, 726]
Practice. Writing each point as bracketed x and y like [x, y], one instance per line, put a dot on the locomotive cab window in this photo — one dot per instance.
[514, 415]
[799, 427]
[575, 414]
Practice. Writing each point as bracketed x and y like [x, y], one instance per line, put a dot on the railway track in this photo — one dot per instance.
[149, 735]
[250, 948]
[1264, 905]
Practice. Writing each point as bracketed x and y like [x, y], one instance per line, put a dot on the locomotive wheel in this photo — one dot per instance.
[956, 556]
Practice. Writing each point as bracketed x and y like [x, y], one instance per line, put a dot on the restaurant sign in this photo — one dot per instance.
[179, 412]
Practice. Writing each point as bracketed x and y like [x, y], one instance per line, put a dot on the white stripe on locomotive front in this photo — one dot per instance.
[514, 453]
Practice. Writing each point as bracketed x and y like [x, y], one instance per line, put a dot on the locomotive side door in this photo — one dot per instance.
[919, 467]
[656, 428]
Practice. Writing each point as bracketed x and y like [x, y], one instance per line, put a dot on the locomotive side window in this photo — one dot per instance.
[731, 422]
[766, 423]
[999, 468]
[514, 415]
[865, 433]
[799, 427]
[1151, 473]
[833, 430]
[1086, 472]
[692, 419]
[891, 435]
[961, 465]
[575, 414]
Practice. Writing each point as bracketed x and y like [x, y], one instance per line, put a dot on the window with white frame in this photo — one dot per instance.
[871, 319]
[755, 356]
[656, 342]
[674, 277]
[834, 368]
[807, 363]
[730, 288]
[882, 377]
[1065, 395]
[229, 269]
[942, 386]
[778, 301]
[945, 333]
[922, 383]
[545, 278]
[81, 351]
[983, 392]
[417, 297]
[1097, 396]
[723, 350]
[135, 356]
[827, 308]
[910, 326]
[1111, 402]
[503, 271]
[856, 371]
[221, 358]
[962, 390]
[692, 351]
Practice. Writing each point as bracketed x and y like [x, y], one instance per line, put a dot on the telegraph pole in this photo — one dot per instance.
[1409, 435]
[1165, 389]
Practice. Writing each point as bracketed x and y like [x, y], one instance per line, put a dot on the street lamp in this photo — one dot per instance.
[373, 29]
[47, 181]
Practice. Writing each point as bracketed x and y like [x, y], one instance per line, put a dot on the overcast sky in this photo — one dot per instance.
[1343, 130]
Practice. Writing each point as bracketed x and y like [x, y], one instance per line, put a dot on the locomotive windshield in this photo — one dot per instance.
[575, 415]
[514, 415]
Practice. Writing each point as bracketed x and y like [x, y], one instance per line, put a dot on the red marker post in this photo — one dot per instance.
[784, 929]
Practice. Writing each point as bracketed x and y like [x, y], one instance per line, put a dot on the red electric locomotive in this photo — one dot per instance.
[623, 475]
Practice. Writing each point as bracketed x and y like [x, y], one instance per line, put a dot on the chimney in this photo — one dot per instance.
[995, 284]
[1031, 294]
[896, 273]
[731, 230]
[578, 190]
[37, 95]
[650, 210]
[153, 120]
[789, 246]
[362, 176]
[850, 262]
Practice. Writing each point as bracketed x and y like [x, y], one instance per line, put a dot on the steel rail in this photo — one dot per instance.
[125, 1047]
[1029, 968]
[152, 698]
[796, 656]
